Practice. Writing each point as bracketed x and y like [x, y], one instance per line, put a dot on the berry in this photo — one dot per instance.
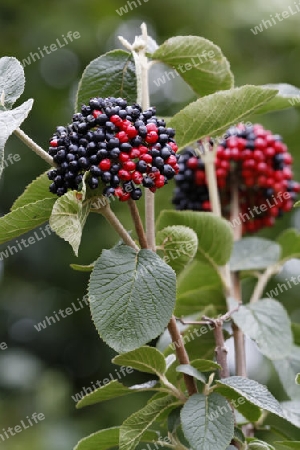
[260, 164]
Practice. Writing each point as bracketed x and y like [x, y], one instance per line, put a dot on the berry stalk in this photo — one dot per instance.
[33, 146]
[138, 223]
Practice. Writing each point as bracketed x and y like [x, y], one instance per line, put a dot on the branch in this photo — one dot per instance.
[182, 355]
[33, 146]
[137, 223]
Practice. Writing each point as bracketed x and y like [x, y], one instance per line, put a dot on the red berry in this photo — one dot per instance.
[54, 143]
[160, 182]
[122, 136]
[147, 158]
[116, 120]
[192, 162]
[152, 137]
[200, 177]
[105, 164]
[124, 175]
[173, 146]
[96, 113]
[151, 127]
[123, 157]
[172, 160]
[131, 132]
[134, 153]
[129, 165]
[137, 177]
[143, 149]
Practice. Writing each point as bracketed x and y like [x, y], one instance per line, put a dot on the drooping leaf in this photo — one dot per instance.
[190, 370]
[36, 190]
[110, 390]
[287, 369]
[145, 359]
[12, 80]
[291, 411]
[214, 234]
[109, 438]
[83, 268]
[198, 286]
[134, 427]
[68, 218]
[24, 219]
[288, 96]
[207, 422]
[9, 121]
[211, 115]
[205, 365]
[289, 240]
[254, 392]
[134, 297]
[261, 322]
[110, 75]
[177, 245]
[198, 61]
[254, 253]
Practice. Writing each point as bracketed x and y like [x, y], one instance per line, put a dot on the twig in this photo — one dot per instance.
[182, 355]
[207, 320]
[262, 282]
[116, 224]
[33, 146]
[221, 350]
[137, 223]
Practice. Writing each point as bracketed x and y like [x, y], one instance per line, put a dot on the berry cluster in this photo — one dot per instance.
[257, 162]
[118, 145]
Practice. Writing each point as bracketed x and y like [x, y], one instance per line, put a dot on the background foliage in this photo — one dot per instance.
[41, 371]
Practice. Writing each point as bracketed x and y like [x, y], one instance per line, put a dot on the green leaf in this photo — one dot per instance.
[82, 268]
[239, 435]
[289, 240]
[254, 253]
[145, 359]
[24, 219]
[287, 97]
[36, 190]
[134, 296]
[289, 444]
[205, 424]
[291, 411]
[213, 114]
[215, 239]
[255, 393]
[297, 379]
[198, 286]
[111, 390]
[135, 425]
[205, 365]
[287, 369]
[256, 444]
[110, 75]
[177, 245]
[296, 333]
[12, 80]
[189, 370]
[198, 61]
[9, 122]
[109, 438]
[261, 322]
[68, 218]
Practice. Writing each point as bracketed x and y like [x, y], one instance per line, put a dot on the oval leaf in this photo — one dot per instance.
[207, 422]
[292, 412]
[189, 370]
[198, 61]
[134, 296]
[261, 322]
[145, 359]
[110, 75]
[287, 97]
[24, 219]
[213, 114]
[134, 427]
[205, 365]
[68, 218]
[177, 245]
[12, 80]
[255, 393]
[254, 253]
[215, 239]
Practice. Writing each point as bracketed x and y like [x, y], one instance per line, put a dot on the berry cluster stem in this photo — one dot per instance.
[137, 223]
[118, 227]
[33, 146]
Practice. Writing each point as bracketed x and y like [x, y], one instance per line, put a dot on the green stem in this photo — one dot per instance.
[33, 146]
[118, 227]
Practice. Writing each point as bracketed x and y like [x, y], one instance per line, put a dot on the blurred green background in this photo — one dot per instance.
[41, 371]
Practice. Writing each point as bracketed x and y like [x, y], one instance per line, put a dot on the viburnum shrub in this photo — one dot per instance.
[178, 277]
